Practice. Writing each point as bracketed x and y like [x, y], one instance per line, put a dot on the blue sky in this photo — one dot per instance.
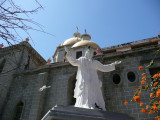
[109, 22]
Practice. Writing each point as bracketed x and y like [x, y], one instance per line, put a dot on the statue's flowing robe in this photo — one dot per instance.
[87, 89]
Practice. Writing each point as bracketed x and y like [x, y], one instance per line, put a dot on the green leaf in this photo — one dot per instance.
[158, 50]
[150, 64]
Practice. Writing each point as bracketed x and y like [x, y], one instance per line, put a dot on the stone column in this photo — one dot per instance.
[38, 97]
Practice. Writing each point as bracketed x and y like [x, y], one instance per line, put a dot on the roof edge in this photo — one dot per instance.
[28, 46]
[129, 44]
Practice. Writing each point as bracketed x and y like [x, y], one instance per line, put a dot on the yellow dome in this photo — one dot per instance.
[71, 41]
[85, 42]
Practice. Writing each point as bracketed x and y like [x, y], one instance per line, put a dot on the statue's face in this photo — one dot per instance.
[89, 54]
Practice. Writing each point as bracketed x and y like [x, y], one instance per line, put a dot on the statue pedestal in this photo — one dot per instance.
[73, 113]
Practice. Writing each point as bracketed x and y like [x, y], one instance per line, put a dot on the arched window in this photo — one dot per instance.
[18, 111]
[71, 87]
[116, 79]
[131, 76]
[2, 62]
[27, 65]
[78, 54]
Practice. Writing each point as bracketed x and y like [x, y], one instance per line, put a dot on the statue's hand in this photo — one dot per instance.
[67, 50]
[117, 62]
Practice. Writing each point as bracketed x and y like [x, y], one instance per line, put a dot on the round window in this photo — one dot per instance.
[116, 79]
[131, 76]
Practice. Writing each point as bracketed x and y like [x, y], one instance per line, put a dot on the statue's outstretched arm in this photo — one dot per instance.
[71, 60]
[106, 68]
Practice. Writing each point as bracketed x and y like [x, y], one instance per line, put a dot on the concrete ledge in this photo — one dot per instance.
[73, 113]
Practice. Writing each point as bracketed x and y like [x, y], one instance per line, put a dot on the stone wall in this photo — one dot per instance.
[22, 89]
[25, 87]
[116, 94]
[6, 76]
[58, 78]
[11, 87]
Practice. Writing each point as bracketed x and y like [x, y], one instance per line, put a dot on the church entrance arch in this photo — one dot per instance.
[18, 111]
[71, 86]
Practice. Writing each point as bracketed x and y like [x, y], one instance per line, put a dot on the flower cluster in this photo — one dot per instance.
[151, 84]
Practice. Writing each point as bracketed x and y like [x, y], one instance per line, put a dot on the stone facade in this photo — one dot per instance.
[23, 85]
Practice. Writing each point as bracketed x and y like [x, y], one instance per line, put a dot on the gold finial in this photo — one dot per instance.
[85, 31]
[77, 29]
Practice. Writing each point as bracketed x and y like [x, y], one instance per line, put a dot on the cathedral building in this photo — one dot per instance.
[30, 87]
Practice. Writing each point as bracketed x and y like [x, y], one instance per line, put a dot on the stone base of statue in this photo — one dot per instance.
[74, 113]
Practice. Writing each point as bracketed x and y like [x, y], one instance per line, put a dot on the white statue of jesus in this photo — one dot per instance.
[87, 90]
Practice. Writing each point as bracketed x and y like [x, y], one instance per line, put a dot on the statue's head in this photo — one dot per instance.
[89, 53]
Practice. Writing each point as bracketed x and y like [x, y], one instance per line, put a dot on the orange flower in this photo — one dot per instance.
[146, 87]
[143, 77]
[155, 108]
[140, 67]
[141, 104]
[151, 95]
[143, 81]
[125, 102]
[156, 117]
[159, 33]
[145, 110]
[142, 110]
[136, 88]
[155, 76]
[158, 93]
[139, 92]
[156, 83]
[143, 73]
[137, 98]
[153, 40]
[154, 103]
[151, 111]
[159, 102]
